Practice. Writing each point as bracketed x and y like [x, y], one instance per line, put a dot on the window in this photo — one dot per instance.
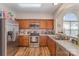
[71, 24]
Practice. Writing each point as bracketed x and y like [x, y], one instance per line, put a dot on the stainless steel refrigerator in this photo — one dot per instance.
[0, 37]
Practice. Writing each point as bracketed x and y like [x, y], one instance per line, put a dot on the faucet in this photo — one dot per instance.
[74, 41]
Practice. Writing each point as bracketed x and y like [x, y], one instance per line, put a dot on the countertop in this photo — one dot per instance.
[69, 46]
[39, 34]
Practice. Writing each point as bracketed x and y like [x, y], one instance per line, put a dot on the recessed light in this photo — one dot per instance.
[29, 5]
[55, 3]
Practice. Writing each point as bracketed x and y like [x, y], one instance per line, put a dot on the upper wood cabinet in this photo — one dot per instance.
[47, 24]
[23, 23]
[27, 23]
[50, 24]
[43, 24]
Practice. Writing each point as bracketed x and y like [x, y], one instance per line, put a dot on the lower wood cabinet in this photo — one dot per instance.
[43, 41]
[60, 51]
[52, 46]
[23, 41]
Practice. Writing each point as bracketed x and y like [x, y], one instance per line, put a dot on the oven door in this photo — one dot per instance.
[34, 41]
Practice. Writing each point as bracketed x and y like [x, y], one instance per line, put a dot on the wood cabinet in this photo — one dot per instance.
[60, 51]
[50, 24]
[23, 23]
[27, 24]
[52, 46]
[47, 24]
[43, 24]
[43, 41]
[23, 41]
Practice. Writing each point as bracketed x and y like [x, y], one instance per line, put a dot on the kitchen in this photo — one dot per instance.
[42, 29]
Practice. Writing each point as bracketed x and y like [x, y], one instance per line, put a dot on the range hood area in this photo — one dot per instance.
[34, 26]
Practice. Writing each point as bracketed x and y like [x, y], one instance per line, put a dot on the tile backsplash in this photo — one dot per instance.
[40, 31]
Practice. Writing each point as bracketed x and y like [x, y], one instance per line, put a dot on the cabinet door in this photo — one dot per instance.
[20, 23]
[27, 24]
[23, 41]
[43, 41]
[23, 23]
[50, 24]
[51, 46]
[43, 24]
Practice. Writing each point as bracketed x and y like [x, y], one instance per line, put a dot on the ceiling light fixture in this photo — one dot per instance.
[55, 3]
[30, 5]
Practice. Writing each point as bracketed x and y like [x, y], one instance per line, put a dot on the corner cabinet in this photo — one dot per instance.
[60, 51]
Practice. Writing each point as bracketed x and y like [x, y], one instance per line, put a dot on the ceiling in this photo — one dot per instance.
[46, 7]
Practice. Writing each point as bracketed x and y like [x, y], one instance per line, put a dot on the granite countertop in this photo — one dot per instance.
[69, 46]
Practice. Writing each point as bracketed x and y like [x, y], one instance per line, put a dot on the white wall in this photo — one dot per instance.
[32, 15]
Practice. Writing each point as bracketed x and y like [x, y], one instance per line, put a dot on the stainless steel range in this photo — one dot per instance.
[34, 35]
[34, 39]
